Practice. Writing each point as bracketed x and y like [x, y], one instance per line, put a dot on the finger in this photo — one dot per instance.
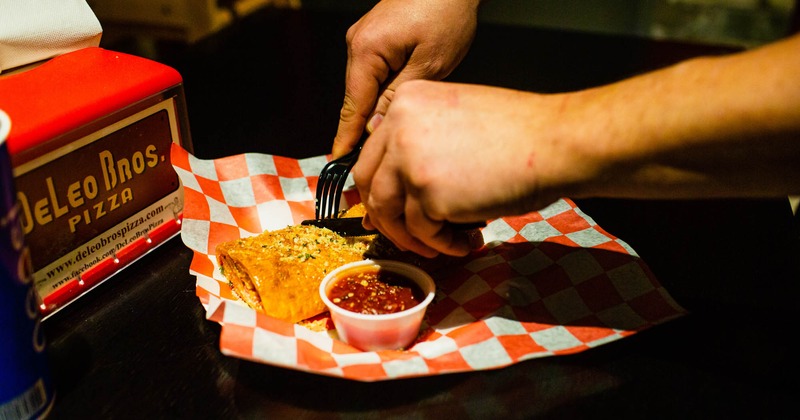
[375, 219]
[363, 176]
[387, 91]
[388, 203]
[352, 119]
[435, 234]
[363, 77]
[374, 122]
[369, 159]
[371, 79]
[396, 230]
[475, 238]
[367, 223]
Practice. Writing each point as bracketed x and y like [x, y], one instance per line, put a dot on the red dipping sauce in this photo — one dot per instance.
[375, 292]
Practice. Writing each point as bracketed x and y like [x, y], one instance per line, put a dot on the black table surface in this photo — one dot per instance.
[139, 346]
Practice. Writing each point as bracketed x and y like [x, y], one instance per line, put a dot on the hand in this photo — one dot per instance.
[711, 127]
[458, 153]
[399, 40]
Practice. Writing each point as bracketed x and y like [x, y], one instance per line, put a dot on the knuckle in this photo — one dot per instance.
[434, 68]
[362, 42]
[348, 112]
[351, 33]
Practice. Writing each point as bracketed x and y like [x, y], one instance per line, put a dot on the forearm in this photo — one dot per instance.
[723, 126]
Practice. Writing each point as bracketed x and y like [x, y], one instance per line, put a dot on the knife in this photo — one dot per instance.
[351, 226]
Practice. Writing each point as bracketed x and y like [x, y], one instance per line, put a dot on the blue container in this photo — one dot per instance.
[26, 391]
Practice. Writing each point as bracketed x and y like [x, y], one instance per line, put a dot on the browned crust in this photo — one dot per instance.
[279, 272]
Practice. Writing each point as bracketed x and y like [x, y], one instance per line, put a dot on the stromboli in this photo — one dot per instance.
[279, 272]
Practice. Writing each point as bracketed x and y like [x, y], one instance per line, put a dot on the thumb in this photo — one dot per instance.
[351, 125]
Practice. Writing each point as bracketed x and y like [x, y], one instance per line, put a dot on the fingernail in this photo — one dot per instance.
[476, 239]
[374, 122]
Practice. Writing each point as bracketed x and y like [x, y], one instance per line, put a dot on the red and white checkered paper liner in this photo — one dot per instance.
[548, 283]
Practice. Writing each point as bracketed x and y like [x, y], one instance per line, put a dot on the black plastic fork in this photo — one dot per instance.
[331, 182]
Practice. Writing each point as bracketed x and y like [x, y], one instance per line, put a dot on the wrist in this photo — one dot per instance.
[560, 153]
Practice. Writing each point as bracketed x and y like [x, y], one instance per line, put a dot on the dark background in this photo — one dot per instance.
[274, 84]
[139, 345]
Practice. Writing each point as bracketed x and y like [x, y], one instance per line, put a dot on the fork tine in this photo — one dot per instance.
[331, 182]
[331, 191]
[334, 193]
[323, 204]
[338, 188]
[323, 185]
[327, 194]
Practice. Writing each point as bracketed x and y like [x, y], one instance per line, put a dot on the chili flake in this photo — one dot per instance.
[375, 291]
